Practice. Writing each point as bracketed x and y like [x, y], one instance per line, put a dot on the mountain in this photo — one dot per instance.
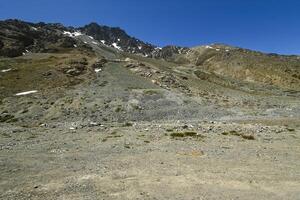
[93, 113]
[52, 58]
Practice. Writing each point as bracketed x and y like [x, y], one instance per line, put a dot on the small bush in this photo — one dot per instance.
[248, 137]
[186, 134]
[151, 92]
[128, 124]
[235, 133]
[290, 129]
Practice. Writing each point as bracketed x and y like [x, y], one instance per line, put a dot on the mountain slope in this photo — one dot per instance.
[73, 68]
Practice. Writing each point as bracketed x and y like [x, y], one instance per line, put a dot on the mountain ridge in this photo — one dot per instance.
[112, 36]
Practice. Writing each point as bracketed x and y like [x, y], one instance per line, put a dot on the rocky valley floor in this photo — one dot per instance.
[171, 160]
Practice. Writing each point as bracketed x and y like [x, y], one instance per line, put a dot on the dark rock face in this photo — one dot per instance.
[18, 37]
[169, 51]
[1, 44]
[117, 36]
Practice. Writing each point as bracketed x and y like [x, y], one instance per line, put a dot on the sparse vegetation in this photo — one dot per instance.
[151, 92]
[235, 133]
[186, 134]
[128, 124]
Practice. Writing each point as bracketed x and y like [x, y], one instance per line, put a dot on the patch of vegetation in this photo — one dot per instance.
[128, 124]
[225, 133]
[33, 136]
[6, 118]
[290, 129]
[186, 134]
[151, 92]
[190, 134]
[141, 135]
[113, 133]
[235, 133]
[6, 135]
[118, 109]
[169, 130]
[114, 136]
[248, 137]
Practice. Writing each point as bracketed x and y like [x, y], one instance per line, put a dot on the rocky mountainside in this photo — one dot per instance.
[18, 37]
[51, 58]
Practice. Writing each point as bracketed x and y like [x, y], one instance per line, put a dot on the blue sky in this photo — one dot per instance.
[265, 25]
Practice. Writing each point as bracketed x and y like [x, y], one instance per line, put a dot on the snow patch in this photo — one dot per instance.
[116, 46]
[6, 70]
[98, 70]
[94, 42]
[91, 37]
[217, 49]
[25, 93]
[208, 47]
[140, 47]
[102, 41]
[68, 33]
[75, 45]
[75, 34]
[119, 39]
[34, 28]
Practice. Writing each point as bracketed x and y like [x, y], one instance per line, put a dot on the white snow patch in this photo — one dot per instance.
[75, 45]
[119, 39]
[26, 50]
[34, 28]
[94, 42]
[68, 33]
[85, 42]
[102, 41]
[116, 46]
[93, 123]
[25, 93]
[98, 70]
[23, 53]
[227, 50]
[208, 47]
[140, 47]
[6, 70]
[217, 49]
[158, 48]
[75, 34]
[91, 37]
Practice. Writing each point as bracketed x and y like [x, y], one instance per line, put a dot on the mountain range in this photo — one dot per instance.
[93, 113]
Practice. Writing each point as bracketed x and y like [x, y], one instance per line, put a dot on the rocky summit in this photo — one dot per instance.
[93, 113]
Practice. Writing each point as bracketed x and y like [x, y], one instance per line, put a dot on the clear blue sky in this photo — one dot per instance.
[265, 25]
